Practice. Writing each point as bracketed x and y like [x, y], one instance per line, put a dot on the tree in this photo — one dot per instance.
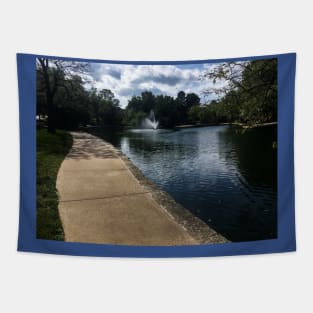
[259, 91]
[104, 108]
[71, 104]
[194, 114]
[168, 111]
[191, 100]
[247, 90]
[181, 97]
[53, 74]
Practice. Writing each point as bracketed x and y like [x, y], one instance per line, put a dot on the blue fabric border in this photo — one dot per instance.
[286, 240]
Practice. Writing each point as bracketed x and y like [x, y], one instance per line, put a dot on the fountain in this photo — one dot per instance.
[150, 122]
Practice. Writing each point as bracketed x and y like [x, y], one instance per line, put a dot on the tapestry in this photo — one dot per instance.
[156, 158]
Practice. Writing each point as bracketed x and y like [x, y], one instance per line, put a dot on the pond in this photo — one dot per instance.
[225, 175]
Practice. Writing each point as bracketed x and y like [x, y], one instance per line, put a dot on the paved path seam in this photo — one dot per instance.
[102, 201]
[108, 197]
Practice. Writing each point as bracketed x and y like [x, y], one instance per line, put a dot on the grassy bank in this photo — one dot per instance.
[51, 150]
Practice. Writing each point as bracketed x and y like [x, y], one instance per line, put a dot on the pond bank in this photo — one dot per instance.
[104, 198]
[220, 124]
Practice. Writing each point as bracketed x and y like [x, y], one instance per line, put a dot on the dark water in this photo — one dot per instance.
[223, 174]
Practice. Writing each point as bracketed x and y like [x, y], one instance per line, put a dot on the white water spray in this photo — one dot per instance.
[150, 122]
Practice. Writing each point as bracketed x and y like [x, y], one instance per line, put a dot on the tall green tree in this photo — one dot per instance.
[191, 100]
[53, 74]
[169, 111]
[247, 90]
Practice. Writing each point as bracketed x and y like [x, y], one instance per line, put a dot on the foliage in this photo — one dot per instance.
[52, 75]
[245, 92]
[168, 110]
[248, 93]
[51, 150]
[104, 108]
[63, 97]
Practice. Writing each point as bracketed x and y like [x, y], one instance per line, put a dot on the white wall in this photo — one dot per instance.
[154, 30]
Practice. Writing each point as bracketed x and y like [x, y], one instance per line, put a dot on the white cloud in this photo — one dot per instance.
[126, 81]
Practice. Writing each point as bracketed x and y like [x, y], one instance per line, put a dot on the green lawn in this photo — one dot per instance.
[51, 150]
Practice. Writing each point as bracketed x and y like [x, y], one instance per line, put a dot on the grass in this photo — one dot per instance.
[51, 151]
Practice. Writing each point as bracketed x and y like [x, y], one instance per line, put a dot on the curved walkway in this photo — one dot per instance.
[102, 201]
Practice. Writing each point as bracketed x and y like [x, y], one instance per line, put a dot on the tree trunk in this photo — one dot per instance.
[49, 95]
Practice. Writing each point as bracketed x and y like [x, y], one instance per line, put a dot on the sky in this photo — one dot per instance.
[126, 81]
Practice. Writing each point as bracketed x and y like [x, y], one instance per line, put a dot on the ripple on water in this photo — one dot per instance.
[219, 174]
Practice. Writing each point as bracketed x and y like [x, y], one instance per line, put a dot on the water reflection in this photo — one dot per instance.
[225, 176]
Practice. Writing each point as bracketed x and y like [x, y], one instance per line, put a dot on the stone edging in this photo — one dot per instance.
[199, 230]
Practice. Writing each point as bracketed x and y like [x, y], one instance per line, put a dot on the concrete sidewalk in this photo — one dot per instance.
[101, 201]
